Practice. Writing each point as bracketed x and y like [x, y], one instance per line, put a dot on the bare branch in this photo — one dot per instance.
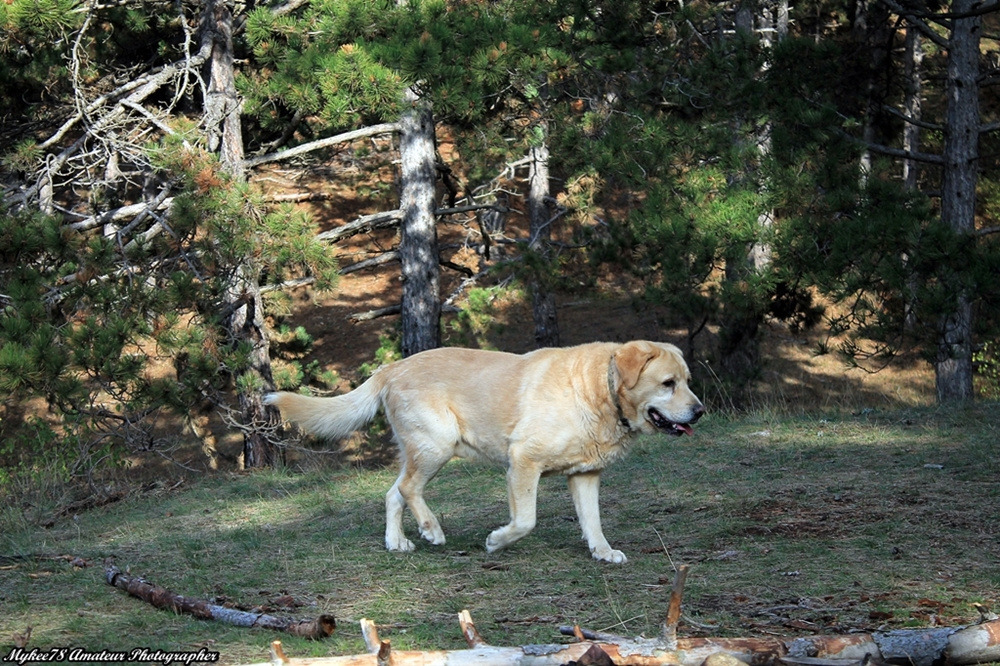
[384, 258]
[160, 203]
[142, 88]
[373, 130]
[470, 208]
[365, 223]
[917, 22]
[298, 197]
[929, 158]
[923, 124]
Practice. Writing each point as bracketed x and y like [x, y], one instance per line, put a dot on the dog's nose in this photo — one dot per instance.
[697, 412]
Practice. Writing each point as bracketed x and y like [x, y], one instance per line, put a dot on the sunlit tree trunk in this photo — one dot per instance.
[543, 302]
[912, 108]
[418, 246]
[739, 346]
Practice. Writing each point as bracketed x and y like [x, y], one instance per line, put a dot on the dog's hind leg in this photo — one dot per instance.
[395, 538]
[420, 465]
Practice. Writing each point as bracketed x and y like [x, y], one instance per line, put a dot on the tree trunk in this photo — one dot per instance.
[245, 324]
[418, 247]
[222, 104]
[739, 346]
[912, 108]
[872, 32]
[912, 104]
[953, 361]
[543, 302]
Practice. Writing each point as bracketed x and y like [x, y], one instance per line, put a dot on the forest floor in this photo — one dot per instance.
[793, 525]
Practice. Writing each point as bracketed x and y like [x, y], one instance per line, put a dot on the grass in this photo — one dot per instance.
[792, 525]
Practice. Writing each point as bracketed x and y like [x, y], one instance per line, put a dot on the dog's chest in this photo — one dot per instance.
[588, 457]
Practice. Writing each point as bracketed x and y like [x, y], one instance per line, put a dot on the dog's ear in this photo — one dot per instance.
[631, 359]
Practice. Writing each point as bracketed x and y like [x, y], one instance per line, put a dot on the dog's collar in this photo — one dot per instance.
[614, 396]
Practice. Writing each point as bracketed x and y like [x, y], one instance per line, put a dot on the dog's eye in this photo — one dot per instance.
[670, 384]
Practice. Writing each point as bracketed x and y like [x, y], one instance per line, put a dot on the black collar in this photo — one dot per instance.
[614, 396]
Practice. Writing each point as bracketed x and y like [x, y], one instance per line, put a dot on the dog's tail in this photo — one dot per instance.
[335, 417]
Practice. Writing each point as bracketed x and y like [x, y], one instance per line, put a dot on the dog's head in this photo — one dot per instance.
[653, 388]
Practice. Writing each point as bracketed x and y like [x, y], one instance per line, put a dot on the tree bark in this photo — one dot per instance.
[871, 27]
[260, 423]
[953, 360]
[222, 103]
[418, 247]
[913, 71]
[543, 302]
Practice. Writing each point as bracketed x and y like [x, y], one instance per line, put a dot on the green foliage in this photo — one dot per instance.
[895, 283]
[85, 317]
[476, 321]
[388, 352]
[987, 364]
[33, 454]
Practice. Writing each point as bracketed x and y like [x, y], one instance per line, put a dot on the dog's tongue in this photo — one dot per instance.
[685, 428]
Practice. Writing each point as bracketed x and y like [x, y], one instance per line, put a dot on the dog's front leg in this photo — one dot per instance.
[585, 489]
[522, 496]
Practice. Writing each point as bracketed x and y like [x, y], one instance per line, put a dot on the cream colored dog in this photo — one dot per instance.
[552, 411]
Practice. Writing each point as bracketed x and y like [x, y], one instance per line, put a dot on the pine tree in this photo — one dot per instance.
[141, 265]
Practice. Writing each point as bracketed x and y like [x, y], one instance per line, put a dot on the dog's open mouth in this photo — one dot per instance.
[664, 424]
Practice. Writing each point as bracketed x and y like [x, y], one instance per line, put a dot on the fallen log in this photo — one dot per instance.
[973, 644]
[160, 597]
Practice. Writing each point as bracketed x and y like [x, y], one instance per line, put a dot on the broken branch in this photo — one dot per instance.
[975, 644]
[373, 130]
[160, 597]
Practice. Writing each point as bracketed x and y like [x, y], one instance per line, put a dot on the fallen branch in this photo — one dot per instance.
[954, 646]
[391, 310]
[160, 597]
[974, 644]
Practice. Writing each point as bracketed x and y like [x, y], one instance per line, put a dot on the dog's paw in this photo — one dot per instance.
[435, 535]
[494, 543]
[400, 545]
[610, 555]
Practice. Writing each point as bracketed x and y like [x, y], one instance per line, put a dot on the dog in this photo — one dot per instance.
[569, 411]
